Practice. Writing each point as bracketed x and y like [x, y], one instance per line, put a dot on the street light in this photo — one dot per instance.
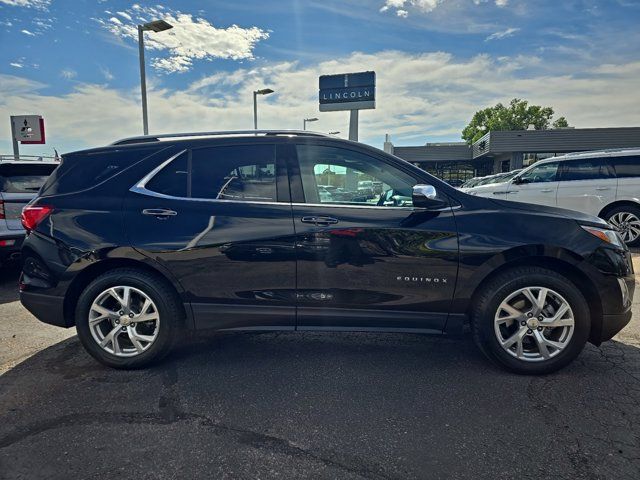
[264, 91]
[155, 26]
[304, 122]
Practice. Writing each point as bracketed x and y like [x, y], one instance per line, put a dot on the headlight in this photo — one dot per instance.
[606, 235]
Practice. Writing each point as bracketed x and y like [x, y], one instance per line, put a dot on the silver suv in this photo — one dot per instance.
[20, 181]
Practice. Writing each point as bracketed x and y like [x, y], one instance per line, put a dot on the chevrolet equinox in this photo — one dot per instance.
[137, 241]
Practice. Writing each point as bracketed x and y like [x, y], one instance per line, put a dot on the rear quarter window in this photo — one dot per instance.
[21, 178]
[84, 170]
[626, 167]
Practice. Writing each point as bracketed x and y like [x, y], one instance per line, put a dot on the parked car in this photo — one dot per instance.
[135, 242]
[19, 183]
[604, 183]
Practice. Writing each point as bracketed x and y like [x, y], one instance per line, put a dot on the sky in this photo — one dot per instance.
[75, 62]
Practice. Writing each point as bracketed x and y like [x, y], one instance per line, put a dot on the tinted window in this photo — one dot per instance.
[20, 178]
[172, 179]
[588, 169]
[340, 176]
[241, 172]
[546, 172]
[84, 170]
[626, 167]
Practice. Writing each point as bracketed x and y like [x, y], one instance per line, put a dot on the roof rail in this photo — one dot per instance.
[157, 138]
[605, 150]
[27, 158]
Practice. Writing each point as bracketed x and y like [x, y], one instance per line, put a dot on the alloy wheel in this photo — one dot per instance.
[628, 224]
[534, 324]
[124, 321]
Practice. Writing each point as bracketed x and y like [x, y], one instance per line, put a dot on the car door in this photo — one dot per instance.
[368, 260]
[219, 220]
[538, 185]
[586, 185]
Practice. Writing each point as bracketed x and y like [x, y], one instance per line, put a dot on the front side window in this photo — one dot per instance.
[626, 167]
[339, 176]
[540, 173]
[588, 169]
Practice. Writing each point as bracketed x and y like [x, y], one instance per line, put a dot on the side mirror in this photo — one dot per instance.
[426, 196]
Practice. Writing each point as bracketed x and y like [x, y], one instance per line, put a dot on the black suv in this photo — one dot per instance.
[134, 242]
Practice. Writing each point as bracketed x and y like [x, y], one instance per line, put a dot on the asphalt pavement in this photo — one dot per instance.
[311, 405]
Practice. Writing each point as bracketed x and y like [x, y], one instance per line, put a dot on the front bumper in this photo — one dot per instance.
[612, 324]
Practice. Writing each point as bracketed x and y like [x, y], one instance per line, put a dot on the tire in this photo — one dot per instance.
[494, 323]
[626, 219]
[137, 343]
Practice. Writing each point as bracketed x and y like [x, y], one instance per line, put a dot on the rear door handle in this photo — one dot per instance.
[603, 188]
[320, 221]
[547, 190]
[161, 213]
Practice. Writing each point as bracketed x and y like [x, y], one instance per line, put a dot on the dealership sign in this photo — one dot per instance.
[28, 128]
[348, 91]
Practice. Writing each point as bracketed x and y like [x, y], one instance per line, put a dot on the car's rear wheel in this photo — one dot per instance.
[626, 219]
[128, 318]
[531, 320]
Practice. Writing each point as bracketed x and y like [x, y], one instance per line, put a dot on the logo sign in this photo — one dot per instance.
[348, 91]
[28, 128]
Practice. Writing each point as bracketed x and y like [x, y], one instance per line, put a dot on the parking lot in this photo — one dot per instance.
[311, 405]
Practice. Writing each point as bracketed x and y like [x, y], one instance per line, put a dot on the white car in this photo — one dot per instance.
[604, 183]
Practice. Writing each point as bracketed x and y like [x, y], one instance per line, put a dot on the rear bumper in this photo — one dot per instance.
[46, 308]
[10, 246]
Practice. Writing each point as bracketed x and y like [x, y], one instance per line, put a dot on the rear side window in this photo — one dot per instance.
[21, 178]
[84, 170]
[626, 167]
[241, 173]
[172, 179]
[588, 169]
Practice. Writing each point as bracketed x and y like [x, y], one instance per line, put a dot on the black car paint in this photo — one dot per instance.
[258, 266]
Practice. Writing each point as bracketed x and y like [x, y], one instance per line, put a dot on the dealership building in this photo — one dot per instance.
[503, 151]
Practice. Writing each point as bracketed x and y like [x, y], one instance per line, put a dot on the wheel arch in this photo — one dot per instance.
[562, 266]
[616, 204]
[95, 269]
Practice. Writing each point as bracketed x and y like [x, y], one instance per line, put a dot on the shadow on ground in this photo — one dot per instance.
[320, 405]
[9, 275]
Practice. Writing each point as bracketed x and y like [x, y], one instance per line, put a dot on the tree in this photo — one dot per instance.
[518, 115]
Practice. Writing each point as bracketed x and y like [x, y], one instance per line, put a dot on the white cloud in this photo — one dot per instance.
[420, 97]
[106, 73]
[68, 74]
[16, 65]
[37, 4]
[191, 38]
[426, 6]
[27, 32]
[509, 32]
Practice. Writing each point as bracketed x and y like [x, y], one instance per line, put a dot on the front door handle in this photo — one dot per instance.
[547, 190]
[603, 188]
[320, 221]
[161, 213]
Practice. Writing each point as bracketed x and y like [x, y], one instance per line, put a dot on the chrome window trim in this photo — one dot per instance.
[141, 189]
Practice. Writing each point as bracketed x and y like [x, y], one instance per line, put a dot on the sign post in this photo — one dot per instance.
[26, 129]
[348, 91]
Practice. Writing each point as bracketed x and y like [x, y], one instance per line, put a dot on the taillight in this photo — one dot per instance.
[2, 210]
[32, 215]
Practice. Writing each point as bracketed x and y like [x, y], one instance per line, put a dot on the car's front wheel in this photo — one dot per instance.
[128, 318]
[626, 220]
[531, 320]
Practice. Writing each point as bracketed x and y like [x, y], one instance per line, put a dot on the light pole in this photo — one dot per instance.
[304, 122]
[155, 26]
[264, 91]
